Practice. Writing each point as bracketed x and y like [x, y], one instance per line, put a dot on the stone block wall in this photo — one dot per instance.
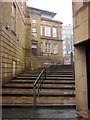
[15, 45]
[13, 55]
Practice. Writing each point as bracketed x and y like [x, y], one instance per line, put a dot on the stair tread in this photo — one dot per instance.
[42, 87]
[14, 90]
[58, 89]
[40, 100]
[45, 82]
[40, 94]
[42, 104]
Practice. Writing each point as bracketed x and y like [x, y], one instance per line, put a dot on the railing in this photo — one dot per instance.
[39, 82]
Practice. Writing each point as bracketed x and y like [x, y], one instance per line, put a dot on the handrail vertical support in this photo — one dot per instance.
[45, 73]
[37, 84]
[34, 96]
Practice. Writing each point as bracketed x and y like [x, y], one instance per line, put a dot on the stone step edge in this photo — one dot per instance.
[48, 78]
[40, 105]
[40, 95]
[43, 87]
[69, 82]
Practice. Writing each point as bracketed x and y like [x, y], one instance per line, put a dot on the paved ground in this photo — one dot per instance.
[44, 114]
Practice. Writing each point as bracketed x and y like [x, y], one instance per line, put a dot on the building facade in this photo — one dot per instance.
[81, 20]
[68, 48]
[15, 30]
[46, 35]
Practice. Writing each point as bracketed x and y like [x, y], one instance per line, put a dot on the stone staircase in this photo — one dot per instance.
[58, 90]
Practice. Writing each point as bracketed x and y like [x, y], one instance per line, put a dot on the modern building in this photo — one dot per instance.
[81, 20]
[15, 39]
[68, 48]
[46, 36]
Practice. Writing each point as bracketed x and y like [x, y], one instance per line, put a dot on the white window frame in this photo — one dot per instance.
[47, 30]
[47, 47]
[34, 30]
[55, 48]
[34, 21]
[54, 32]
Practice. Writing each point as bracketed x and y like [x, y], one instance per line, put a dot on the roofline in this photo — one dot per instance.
[52, 20]
[52, 14]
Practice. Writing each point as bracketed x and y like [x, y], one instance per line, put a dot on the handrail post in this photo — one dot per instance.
[45, 73]
[34, 96]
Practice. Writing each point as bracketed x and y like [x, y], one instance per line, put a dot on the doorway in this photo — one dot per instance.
[88, 71]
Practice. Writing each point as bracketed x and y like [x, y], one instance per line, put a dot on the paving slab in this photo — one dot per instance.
[40, 113]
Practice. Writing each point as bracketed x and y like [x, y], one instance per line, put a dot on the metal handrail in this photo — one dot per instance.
[37, 84]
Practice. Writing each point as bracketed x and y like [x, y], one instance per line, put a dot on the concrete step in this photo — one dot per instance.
[53, 100]
[24, 90]
[50, 75]
[42, 105]
[27, 78]
[63, 94]
[17, 100]
[50, 78]
[19, 86]
[54, 75]
[45, 82]
[59, 78]
[57, 90]
[41, 100]
[62, 72]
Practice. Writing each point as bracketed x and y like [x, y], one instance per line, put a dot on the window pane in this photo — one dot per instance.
[34, 21]
[47, 47]
[33, 29]
[48, 31]
[55, 48]
[54, 32]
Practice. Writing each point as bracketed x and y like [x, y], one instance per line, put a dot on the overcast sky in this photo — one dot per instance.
[63, 8]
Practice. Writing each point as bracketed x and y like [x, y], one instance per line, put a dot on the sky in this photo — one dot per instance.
[63, 8]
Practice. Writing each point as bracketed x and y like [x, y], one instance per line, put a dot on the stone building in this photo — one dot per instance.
[46, 36]
[15, 30]
[68, 48]
[81, 20]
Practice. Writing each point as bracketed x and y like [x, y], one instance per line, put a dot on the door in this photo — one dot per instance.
[88, 71]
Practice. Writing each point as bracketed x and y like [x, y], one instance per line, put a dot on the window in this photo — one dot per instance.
[48, 31]
[54, 32]
[33, 29]
[47, 47]
[34, 21]
[55, 48]
[47, 61]
[34, 49]
[13, 17]
[41, 30]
